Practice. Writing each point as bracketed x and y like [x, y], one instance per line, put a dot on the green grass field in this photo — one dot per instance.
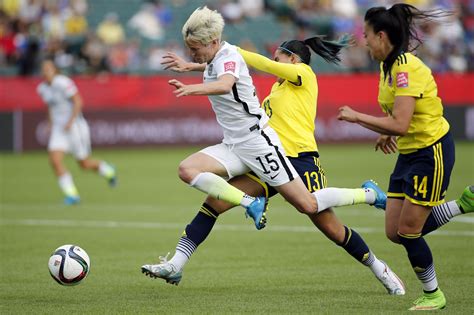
[287, 268]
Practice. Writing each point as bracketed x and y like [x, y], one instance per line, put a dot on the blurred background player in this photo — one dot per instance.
[291, 107]
[69, 132]
[408, 95]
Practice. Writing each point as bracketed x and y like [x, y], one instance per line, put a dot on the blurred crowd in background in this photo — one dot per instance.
[131, 36]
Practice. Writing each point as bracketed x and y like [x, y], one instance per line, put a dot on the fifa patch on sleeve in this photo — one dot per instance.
[402, 79]
[229, 66]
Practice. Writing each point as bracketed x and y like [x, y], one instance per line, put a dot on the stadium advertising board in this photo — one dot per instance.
[141, 111]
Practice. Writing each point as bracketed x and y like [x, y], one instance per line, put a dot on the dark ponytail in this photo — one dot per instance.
[328, 50]
[399, 24]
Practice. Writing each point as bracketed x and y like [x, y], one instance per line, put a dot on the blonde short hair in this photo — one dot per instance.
[204, 25]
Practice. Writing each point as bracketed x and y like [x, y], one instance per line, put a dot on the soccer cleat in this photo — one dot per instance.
[72, 200]
[257, 211]
[164, 270]
[429, 302]
[380, 195]
[466, 201]
[391, 281]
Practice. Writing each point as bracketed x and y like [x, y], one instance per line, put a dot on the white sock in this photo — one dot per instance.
[246, 200]
[336, 197]
[445, 212]
[377, 267]
[369, 196]
[67, 185]
[179, 260]
[105, 169]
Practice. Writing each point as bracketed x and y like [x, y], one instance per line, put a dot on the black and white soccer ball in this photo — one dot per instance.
[69, 265]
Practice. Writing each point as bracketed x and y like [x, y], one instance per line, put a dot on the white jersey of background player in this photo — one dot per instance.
[69, 130]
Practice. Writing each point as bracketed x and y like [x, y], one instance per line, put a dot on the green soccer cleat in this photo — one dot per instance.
[429, 302]
[466, 201]
[257, 211]
[164, 270]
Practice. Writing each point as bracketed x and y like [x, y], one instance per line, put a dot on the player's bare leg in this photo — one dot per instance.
[102, 167]
[65, 181]
[207, 174]
[354, 245]
[196, 232]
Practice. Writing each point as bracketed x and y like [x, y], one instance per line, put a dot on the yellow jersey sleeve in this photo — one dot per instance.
[285, 71]
[409, 76]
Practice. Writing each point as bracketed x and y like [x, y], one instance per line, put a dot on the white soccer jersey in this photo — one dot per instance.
[238, 112]
[58, 97]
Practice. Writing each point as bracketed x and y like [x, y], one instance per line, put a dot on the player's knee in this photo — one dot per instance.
[310, 205]
[393, 236]
[186, 173]
[306, 208]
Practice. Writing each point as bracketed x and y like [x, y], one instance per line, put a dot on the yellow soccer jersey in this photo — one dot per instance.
[291, 104]
[411, 77]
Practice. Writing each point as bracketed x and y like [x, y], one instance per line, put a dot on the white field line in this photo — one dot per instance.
[173, 226]
[342, 211]
[102, 207]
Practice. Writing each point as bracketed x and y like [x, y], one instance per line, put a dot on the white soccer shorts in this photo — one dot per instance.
[76, 141]
[264, 155]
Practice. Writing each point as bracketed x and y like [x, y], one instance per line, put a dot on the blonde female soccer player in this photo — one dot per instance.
[249, 143]
[408, 95]
[69, 132]
[299, 84]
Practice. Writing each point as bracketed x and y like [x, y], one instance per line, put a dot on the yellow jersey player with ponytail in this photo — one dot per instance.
[420, 179]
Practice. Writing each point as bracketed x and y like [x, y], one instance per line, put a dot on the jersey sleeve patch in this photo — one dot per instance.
[402, 79]
[229, 66]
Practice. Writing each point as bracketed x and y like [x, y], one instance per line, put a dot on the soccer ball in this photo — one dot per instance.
[69, 265]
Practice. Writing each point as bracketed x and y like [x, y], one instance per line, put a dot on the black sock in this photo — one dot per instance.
[201, 225]
[356, 247]
[421, 259]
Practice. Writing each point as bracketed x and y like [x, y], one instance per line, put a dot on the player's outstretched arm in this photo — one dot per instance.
[287, 71]
[395, 124]
[223, 85]
[175, 63]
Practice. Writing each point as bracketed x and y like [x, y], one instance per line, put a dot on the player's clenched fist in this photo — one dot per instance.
[348, 114]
